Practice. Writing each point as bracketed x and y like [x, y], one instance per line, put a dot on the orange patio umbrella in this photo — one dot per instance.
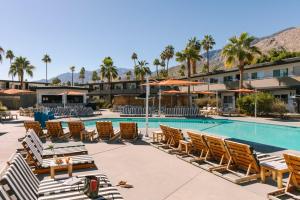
[174, 92]
[243, 91]
[16, 91]
[204, 92]
[174, 82]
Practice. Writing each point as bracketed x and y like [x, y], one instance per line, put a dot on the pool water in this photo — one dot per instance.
[280, 136]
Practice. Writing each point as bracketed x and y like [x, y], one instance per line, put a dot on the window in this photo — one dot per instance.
[280, 72]
[282, 97]
[260, 75]
[237, 77]
[228, 99]
[227, 79]
[214, 80]
[51, 98]
[254, 75]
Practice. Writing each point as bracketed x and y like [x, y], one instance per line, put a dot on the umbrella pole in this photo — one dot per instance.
[147, 105]
[255, 105]
[159, 102]
[217, 100]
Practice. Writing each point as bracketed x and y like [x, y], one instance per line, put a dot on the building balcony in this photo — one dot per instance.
[120, 91]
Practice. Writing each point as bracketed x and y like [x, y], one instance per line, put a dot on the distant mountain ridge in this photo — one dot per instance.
[67, 76]
[288, 39]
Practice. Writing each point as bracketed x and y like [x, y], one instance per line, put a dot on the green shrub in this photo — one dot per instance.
[279, 107]
[2, 107]
[264, 101]
[201, 102]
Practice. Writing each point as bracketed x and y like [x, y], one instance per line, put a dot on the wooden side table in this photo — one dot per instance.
[185, 146]
[277, 168]
[54, 166]
[87, 134]
[157, 136]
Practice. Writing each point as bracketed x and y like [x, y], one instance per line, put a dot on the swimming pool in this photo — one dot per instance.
[280, 136]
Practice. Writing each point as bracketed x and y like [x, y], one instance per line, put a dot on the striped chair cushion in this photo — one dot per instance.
[77, 160]
[19, 183]
[59, 151]
[3, 194]
[45, 163]
[43, 146]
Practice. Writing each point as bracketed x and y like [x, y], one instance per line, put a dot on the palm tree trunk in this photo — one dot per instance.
[46, 73]
[241, 77]
[167, 67]
[157, 71]
[12, 76]
[72, 79]
[207, 60]
[21, 82]
[189, 79]
[193, 63]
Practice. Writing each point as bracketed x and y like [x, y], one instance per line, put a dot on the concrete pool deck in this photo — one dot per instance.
[153, 173]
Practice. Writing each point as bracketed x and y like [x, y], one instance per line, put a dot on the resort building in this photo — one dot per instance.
[52, 96]
[282, 79]
[28, 85]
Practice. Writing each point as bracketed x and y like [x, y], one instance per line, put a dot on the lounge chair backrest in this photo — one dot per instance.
[216, 147]
[128, 130]
[165, 132]
[75, 127]
[54, 128]
[243, 156]
[198, 142]
[293, 163]
[176, 135]
[35, 140]
[33, 152]
[3, 194]
[18, 181]
[34, 125]
[105, 129]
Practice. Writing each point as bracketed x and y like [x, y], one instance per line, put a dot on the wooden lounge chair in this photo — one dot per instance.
[19, 182]
[216, 156]
[175, 137]
[35, 126]
[165, 139]
[49, 153]
[55, 130]
[198, 148]
[129, 131]
[53, 145]
[243, 164]
[292, 188]
[42, 166]
[106, 131]
[78, 130]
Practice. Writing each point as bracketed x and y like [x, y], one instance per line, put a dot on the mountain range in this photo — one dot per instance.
[288, 39]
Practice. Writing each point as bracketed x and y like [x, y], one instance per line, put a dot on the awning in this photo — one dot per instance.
[174, 92]
[174, 82]
[16, 91]
[245, 91]
[71, 93]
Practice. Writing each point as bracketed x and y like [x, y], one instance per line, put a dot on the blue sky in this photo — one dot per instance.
[83, 32]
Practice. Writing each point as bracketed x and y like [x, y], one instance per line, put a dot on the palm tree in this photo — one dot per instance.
[189, 55]
[108, 71]
[22, 66]
[72, 71]
[141, 70]
[156, 63]
[128, 75]
[82, 74]
[134, 57]
[240, 52]
[95, 76]
[46, 59]
[1, 53]
[168, 54]
[10, 55]
[196, 44]
[207, 43]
